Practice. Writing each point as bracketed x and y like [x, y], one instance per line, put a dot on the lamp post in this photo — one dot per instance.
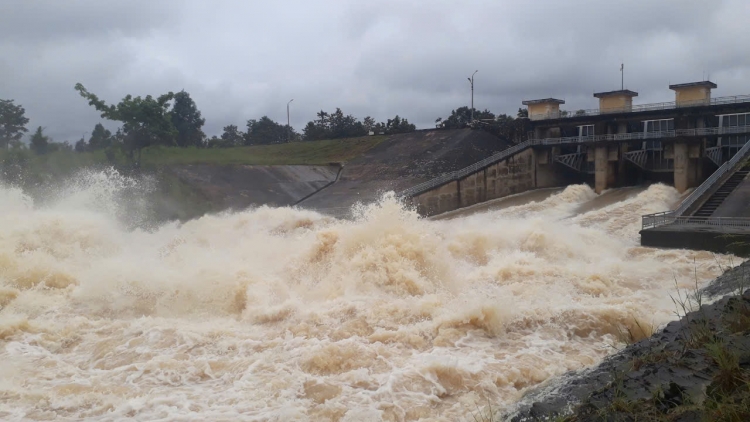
[471, 81]
[288, 126]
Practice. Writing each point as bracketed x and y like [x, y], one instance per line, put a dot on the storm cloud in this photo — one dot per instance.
[244, 59]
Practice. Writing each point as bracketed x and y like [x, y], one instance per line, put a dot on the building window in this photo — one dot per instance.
[734, 142]
[658, 125]
[587, 130]
[652, 126]
[732, 120]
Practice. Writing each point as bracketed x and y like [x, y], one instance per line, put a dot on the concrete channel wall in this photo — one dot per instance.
[241, 186]
[527, 170]
[403, 161]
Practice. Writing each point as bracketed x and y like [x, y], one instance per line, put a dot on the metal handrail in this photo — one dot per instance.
[729, 166]
[455, 175]
[676, 215]
[734, 99]
[668, 217]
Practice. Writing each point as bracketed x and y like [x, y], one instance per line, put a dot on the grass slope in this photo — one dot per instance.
[25, 166]
[302, 153]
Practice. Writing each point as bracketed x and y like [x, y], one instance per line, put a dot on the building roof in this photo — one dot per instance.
[619, 92]
[543, 101]
[689, 84]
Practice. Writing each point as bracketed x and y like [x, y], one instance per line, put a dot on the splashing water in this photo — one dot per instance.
[284, 314]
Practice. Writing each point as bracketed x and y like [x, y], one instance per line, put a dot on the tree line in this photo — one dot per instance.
[174, 120]
[502, 125]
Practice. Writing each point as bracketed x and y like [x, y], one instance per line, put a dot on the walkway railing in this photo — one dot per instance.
[676, 217]
[736, 99]
[458, 174]
[668, 217]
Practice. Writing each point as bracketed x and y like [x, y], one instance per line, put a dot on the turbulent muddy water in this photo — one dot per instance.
[283, 315]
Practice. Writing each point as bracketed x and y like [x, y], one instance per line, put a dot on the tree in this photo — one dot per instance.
[334, 125]
[379, 128]
[232, 136]
[145, 121]
[100, 138]
[318, 129]
[216, 142]
[265, 131]
[398, 125]
[39, 142]
[187, 119]
[369, 124]
[345, 126]
[81, 146]
[12, 123]
[502, 125]
[461, 117]
[58, 146]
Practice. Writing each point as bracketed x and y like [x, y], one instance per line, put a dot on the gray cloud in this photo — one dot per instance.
[241, 60]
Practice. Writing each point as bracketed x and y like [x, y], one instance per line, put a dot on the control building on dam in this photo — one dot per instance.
[681, 142]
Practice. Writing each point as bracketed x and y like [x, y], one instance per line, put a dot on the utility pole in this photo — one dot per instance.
[622, 76]
[471, 81]
[288, 126]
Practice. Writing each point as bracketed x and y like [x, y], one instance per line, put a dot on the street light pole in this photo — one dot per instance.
[471, 81]
[288, 126]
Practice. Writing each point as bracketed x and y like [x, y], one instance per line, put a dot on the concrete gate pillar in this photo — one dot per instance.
[685, 169]
[602, 170]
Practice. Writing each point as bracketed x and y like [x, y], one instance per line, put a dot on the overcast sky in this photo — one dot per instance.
[244, 59]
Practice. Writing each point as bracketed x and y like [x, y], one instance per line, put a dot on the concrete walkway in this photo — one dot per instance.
[737, 204]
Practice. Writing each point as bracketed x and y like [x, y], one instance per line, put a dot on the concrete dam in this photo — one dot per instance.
[691, 142]
[284, 313]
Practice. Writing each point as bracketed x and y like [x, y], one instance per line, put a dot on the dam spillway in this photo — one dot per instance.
[287, 314]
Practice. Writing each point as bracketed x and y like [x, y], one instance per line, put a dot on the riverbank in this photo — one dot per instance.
[696, 368]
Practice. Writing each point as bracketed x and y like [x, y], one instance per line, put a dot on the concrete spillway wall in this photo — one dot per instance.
[189, 191]
[403, 161]
[518, 173]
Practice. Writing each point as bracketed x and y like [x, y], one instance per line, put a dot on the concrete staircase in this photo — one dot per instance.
[713, 202]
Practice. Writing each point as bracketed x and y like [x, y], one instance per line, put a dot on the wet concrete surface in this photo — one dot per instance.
[609, 197]
[242, 186]
[536, 195]
[402, 161]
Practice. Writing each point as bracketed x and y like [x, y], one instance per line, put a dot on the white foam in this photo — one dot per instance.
[284, 314]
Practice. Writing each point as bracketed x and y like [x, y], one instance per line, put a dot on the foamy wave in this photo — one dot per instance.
[285, 314]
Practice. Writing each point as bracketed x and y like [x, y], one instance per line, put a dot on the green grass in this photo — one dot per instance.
[24, 167]
[62, 163]
[303, 153]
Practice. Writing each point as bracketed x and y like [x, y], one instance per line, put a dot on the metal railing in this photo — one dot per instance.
[715, 154]
[676, 216]
[455, 175]
[638, 158]
[667, 217]
[735, 99]
[729, 166]
[574, 161]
